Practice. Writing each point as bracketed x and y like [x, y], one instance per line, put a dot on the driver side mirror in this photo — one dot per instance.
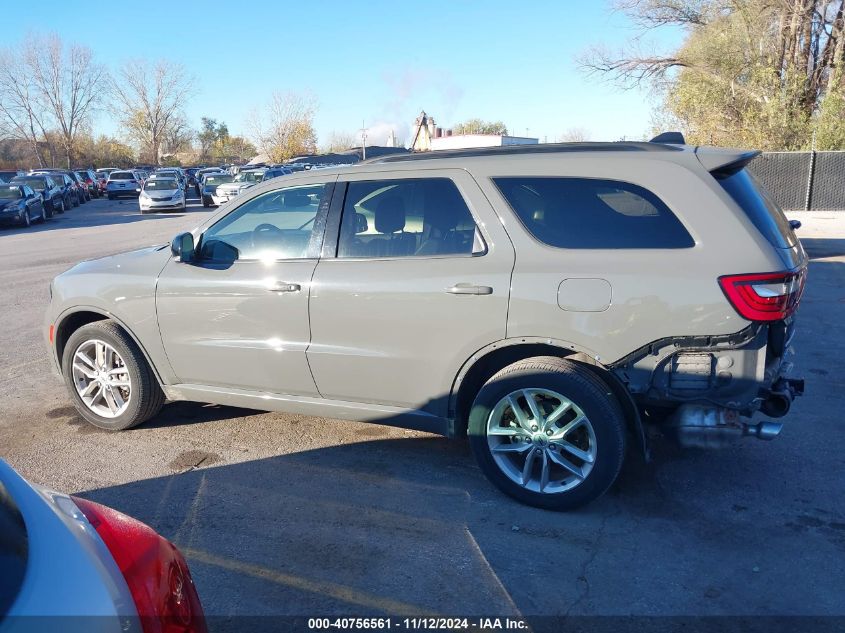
[182, 247]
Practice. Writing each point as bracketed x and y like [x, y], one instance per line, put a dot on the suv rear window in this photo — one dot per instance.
[759, 206]
[593, 213]
[122, 175]
[13, 550]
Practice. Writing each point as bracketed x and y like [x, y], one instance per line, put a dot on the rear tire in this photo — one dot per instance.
[144, 397]
[572, 403]
[27, 219]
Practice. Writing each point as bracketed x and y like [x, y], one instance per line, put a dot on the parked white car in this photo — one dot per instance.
[159, 194]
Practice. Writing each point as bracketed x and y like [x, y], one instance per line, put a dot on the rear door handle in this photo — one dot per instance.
[283, 286]
[469, 289]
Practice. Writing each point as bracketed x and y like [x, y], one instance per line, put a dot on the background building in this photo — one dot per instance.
[426, 136]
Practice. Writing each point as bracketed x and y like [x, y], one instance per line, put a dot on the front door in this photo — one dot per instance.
[237, 316]
[420, 282]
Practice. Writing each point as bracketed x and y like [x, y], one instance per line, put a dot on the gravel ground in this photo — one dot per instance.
[283, 514]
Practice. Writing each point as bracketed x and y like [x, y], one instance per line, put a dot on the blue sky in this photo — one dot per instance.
[375, 61]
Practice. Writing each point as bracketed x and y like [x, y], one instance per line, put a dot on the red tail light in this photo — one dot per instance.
[155, 571]
[764, 296]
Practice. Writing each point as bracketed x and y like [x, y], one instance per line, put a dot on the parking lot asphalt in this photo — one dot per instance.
[284, 514]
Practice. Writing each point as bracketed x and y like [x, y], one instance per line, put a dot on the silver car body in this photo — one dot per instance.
[70, 571]
[396, 338]
[152, 197]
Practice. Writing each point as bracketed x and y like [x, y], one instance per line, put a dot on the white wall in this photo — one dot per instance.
[460, 141]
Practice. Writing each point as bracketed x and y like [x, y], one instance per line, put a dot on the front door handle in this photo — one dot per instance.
[283, 286]
[469, 289]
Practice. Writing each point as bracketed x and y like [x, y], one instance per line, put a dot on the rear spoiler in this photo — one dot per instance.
[720, 162]
[724, 162]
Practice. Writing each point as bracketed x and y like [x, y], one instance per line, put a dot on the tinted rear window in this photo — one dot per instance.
[759, 206]
[593, 213]
[122, 175]
[14, 548]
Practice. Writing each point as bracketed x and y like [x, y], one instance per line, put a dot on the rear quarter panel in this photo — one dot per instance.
[654, 292]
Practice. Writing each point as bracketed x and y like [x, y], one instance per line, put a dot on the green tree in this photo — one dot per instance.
[284, 128]
[478, 126]
[760, 73]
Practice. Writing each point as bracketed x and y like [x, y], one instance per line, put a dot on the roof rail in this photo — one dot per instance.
[672, 138]
[540, 148]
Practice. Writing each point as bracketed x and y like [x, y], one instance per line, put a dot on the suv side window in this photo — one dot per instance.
[593, 213]
[279, 224]
[420, 217]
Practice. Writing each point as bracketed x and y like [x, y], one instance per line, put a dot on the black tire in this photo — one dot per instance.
[61, 206]
[47, 213]
[43, 217]
[111, 196]
[76, 200]
[146, 398]
[586, 391]
[27, 219]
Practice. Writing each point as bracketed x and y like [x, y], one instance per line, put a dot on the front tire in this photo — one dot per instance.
[110, 381]
[548, 433]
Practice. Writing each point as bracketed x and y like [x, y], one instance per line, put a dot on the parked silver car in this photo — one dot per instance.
[540, 299]
[161, 193]
[69, 564]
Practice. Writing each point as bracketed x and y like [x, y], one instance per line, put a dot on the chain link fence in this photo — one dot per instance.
[803, 181]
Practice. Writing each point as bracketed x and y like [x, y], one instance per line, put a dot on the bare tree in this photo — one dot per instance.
[150, 100]
[339, 141]
[22, 114]
[574, 135]
[178, 137]
[68, 82]
[284, 128]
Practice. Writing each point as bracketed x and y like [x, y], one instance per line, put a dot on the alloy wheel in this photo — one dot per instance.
[541, 440]
[101, 378]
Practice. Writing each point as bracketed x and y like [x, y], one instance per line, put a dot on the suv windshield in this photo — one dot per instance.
[9, 193]
[161, 183]
[249, 176]
[760, 208]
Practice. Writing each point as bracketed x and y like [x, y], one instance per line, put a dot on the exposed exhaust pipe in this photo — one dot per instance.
[763, 430]
[706, 426]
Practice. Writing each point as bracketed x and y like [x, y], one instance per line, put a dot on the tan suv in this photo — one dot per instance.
[539, 298]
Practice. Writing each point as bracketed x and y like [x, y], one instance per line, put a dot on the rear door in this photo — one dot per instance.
[419, 280]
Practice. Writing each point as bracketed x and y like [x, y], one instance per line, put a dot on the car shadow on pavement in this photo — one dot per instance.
[818, 248]
[411, 527]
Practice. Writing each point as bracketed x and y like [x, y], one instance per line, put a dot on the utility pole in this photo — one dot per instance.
[363, 141]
